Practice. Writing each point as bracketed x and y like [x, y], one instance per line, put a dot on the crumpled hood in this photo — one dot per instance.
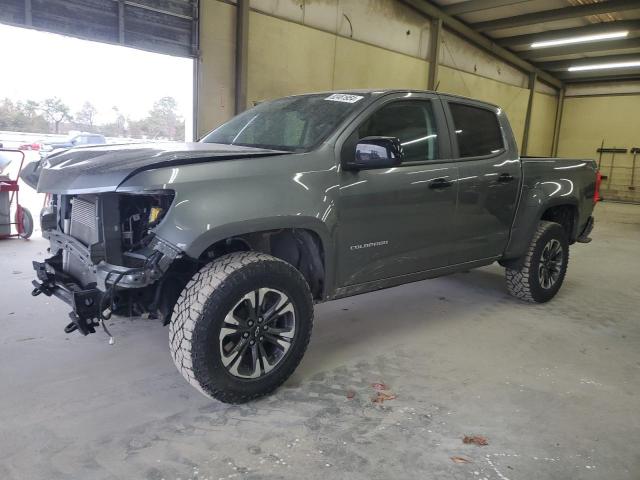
[103, 168]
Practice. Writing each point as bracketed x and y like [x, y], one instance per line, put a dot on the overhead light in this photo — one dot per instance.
[582, 39]
[603, 66]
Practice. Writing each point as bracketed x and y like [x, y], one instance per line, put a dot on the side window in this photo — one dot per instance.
[412, 122]
[477, 130]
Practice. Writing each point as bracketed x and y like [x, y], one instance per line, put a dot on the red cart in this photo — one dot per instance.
[9, 190]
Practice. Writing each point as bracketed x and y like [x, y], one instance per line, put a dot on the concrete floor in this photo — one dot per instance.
[554, 388]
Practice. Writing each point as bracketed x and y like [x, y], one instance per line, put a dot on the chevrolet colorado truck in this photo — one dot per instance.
[304, 199]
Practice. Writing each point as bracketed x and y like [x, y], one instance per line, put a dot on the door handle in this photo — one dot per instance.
[505, 177]
[439, 183]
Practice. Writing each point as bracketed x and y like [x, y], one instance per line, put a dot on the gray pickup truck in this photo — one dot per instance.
[303, 199]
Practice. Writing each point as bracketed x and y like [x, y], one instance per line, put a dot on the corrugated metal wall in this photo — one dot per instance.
[163, 26]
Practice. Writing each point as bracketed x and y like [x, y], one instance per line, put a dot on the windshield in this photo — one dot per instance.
[292, 123]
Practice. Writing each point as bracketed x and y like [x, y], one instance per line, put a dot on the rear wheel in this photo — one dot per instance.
[538, 276]
[241, 326]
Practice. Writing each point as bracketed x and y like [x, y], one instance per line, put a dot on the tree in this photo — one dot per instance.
[86, 115]
[21, 117]
[164, 121]
[30, 108]
[56, 112]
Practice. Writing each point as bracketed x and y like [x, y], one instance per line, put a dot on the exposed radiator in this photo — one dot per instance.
[83, 220]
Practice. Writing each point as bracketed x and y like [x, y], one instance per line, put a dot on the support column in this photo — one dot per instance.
[533, 77]
[195, 50]
[558, 124]
[242, 54]
[434, 53]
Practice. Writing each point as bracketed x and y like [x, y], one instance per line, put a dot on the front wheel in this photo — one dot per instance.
[241, 326]
[538, 276]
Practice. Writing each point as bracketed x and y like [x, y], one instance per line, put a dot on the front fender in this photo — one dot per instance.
[213, 202]
[234, 229]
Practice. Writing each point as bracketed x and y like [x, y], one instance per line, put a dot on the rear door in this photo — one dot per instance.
[489, 179]
[396, 221]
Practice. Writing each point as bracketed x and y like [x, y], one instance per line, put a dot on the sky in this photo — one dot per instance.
[37, 65]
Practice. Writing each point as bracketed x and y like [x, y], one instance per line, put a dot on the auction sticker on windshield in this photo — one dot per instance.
[343, 97]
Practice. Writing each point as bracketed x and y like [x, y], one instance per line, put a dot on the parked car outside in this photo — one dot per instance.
[82, 139]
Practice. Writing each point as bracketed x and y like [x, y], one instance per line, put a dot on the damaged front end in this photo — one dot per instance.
[106, 257]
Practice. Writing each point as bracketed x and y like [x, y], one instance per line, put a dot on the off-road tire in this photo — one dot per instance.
[523, 279]
[200, 312]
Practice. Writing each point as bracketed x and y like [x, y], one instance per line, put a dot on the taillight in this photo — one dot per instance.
[596, 193]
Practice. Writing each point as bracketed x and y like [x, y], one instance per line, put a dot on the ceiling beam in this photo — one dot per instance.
[563, 65]
[604, 27]
[604, 46]
[477, 5]
[556, 14]
[430, 10]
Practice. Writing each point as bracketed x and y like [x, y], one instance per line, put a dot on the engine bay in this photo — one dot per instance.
[115, 227]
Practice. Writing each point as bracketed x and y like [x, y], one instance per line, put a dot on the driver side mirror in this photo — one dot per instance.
[376, 152]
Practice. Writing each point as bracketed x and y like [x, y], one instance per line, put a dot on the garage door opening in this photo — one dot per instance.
[54, 87]
[60, 92]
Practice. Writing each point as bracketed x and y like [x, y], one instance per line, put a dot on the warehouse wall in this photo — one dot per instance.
[287, 58]
[301, 46]
[593, 113]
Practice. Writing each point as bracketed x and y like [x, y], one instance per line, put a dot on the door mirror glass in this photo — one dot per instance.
[376, 152]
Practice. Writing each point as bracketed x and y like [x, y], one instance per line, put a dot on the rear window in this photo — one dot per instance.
[477, 130]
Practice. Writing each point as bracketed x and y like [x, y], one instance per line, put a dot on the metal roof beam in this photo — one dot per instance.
[604, 27]
[556, 14]
[563, 65]
[477, 5]
[604, 46]
[480, 40]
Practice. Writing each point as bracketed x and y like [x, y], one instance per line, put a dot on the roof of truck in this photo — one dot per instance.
[386, 91]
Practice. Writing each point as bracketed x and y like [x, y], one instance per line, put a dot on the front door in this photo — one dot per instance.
[396, 221]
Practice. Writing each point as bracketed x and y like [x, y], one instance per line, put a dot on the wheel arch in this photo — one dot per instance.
[565, 214]
[537, 206]
[304, 244]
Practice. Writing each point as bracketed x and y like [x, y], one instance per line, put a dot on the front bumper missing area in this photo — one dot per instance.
[84, 302]
[91, 294]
